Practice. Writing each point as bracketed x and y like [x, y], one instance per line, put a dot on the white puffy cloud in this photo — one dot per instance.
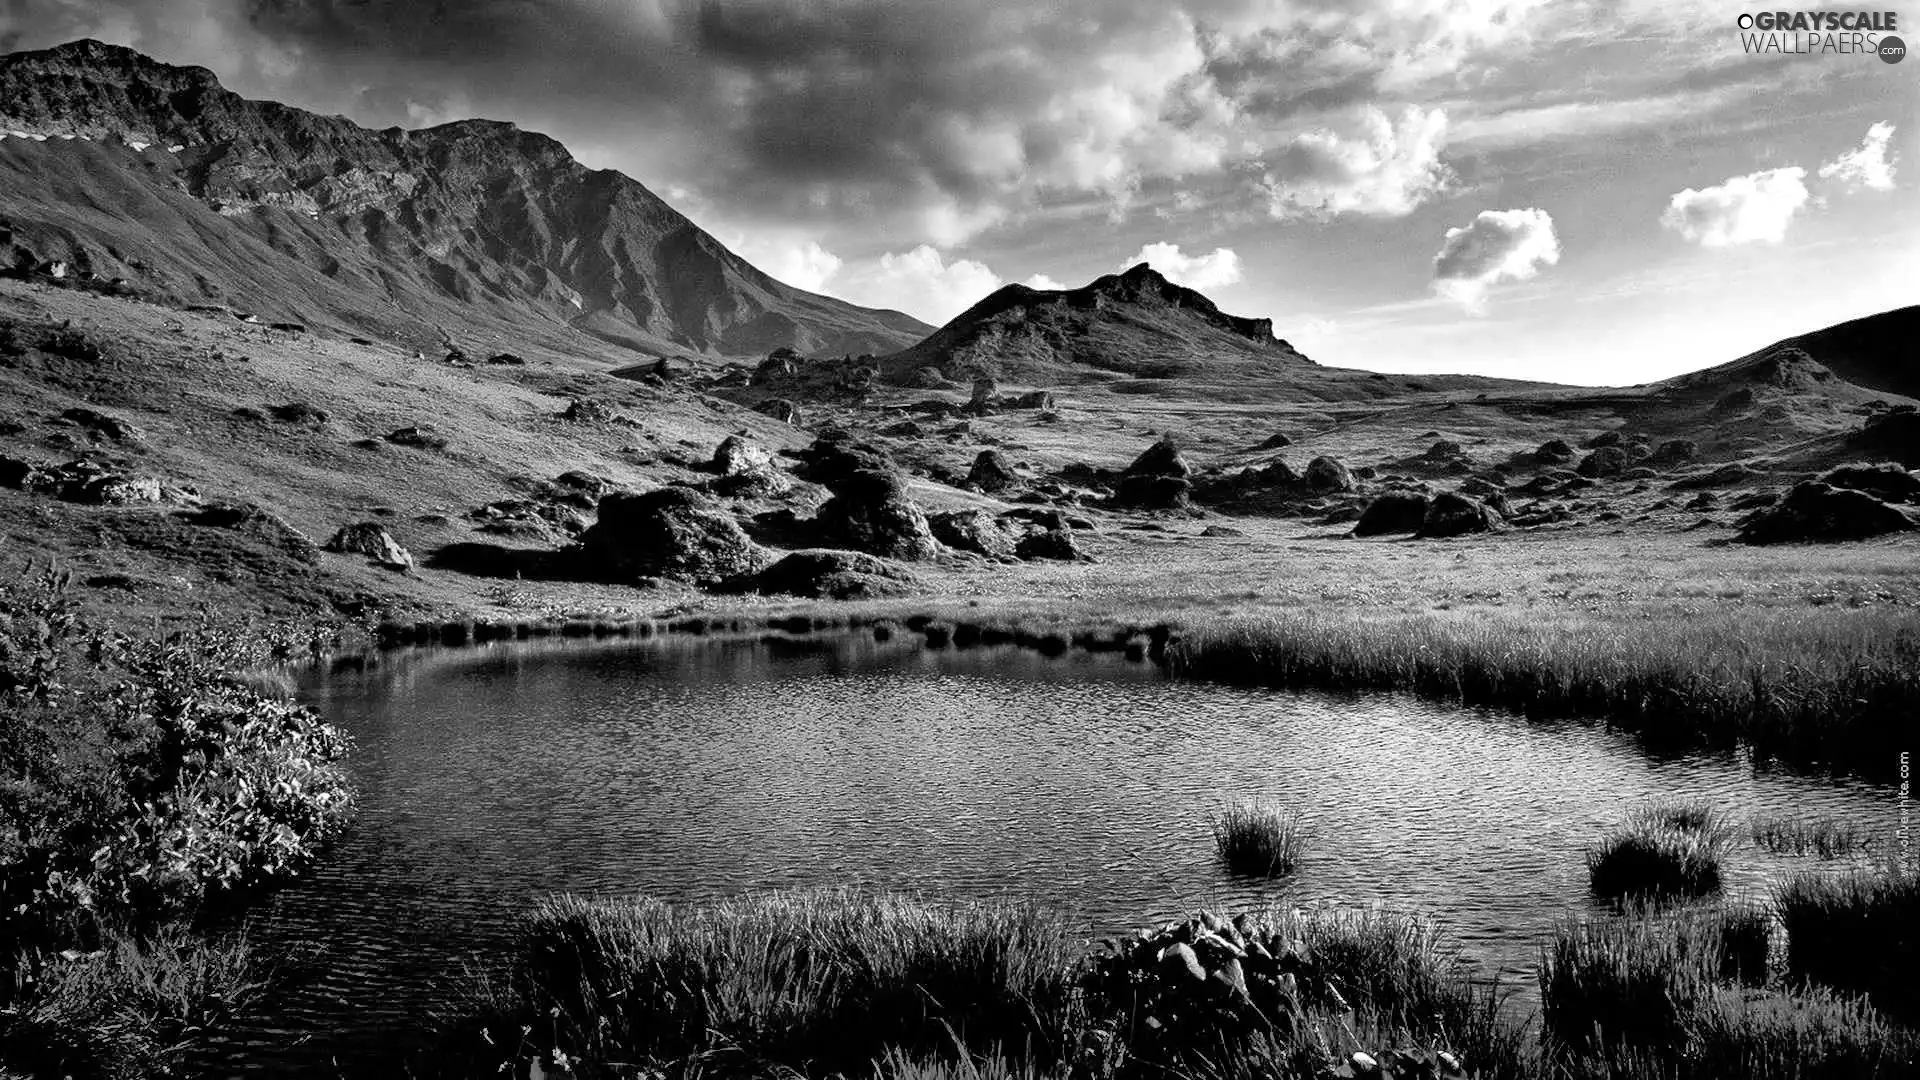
[801, 264]
[1755, 208]
[1219, 267]
[1042, 281]
[1380, 166]
[1497, 246]
[920, 282]
[1867, 165]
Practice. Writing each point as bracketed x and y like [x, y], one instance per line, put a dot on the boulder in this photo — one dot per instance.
[1032, 399]
[1453, 514]
[1893, 436]
[991, 473]
[1554, 450]
[1444, 450]
[371, 539]
[977, 531]
[1673, 452]
[835, 575]
[1163, 458]
[1392, 512]
[835, 458]
[506, 359]
[1050, 544]
[300, 413]
[1607, 461]
[1886, 481]
[925, 378]
[1604, 439]
[780, 409]
[1325, 474]
[669, 532]
[984, 391]
[1815, 511]
[870, 511]
[736, 456]
[1155, 492]
[1275, 441]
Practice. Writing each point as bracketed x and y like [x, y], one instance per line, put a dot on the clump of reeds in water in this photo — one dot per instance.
[1858, 931]
[1826, 836]
[1258, 838]
[1662, 850]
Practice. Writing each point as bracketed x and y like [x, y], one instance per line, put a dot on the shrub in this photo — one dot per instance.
[1257, 839]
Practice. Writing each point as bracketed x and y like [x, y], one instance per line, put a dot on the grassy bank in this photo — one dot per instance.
[142, 781]
[1809, 688]
[865, 984]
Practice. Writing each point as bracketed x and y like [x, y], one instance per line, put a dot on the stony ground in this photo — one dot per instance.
[304, 428]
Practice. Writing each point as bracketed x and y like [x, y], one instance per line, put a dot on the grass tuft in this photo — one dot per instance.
[1662, 850]
[1826, 836]
[1258, 839]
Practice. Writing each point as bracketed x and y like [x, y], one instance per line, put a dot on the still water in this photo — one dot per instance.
[690, 768]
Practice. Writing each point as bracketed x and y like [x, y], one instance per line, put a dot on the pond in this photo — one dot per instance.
[692, 768]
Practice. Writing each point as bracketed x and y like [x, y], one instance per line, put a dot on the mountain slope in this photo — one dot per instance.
[125, 167]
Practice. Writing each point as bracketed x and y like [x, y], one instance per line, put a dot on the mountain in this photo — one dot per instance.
[1134, 325]
[124, 167]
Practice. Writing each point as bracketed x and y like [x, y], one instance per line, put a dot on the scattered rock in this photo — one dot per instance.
[1275, 441]
[1222, 532]
[984, 390]
[1392, 512]
[102, 425]
[871, 511]
[1325, 474]
[418, 437]
[735, 456]
[1444, 450]
[832, 459]
[506, 359]
[300, 413]
[371, 539]
[1673, 452]
[1032, 399]
[835, 575]
[589, 411]
[1163, 458]
[669, 532]
[1604, 439]
[1814, 511]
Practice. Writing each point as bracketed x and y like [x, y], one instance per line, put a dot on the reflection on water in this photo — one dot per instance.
[690, 768]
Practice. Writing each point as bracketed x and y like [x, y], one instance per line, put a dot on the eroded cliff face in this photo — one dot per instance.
[476, 212]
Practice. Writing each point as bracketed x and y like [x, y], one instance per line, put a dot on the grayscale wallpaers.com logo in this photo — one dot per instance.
[1817, 33]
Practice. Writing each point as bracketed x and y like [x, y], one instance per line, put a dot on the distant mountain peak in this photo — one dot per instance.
[321, 221]
[1134, 323]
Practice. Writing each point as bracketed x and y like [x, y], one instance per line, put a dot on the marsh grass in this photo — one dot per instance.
[1813, 688]
[824, 980]
[1826, 836]
[128, 1008]
[1857, 932]
[1662, 850]
[1258, 839]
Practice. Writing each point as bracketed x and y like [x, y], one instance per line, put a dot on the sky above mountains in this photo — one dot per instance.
[1593, 191]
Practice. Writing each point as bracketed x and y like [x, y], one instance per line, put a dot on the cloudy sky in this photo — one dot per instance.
[1595, 191]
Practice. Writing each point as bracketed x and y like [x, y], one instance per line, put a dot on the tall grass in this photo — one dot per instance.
[1808, 687]
[1662, 850]
[1258, 839]
[126, 1009]
[1858, 931]
[826, 981]
[1826, 836]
